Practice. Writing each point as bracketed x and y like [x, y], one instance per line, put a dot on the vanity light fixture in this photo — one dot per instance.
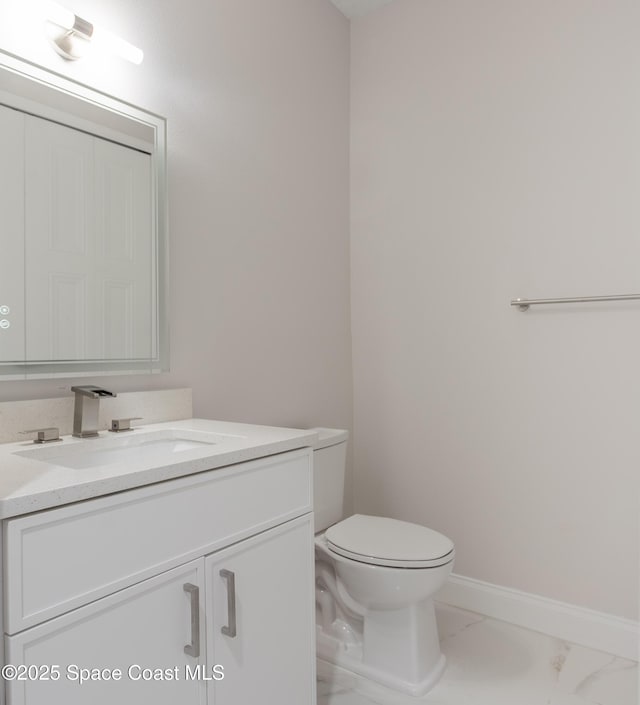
[72, 35]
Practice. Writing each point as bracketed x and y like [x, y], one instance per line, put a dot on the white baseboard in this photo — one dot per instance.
[597, 630]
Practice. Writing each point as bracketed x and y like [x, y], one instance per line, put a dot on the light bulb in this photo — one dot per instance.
[108, 41]
[60, 16]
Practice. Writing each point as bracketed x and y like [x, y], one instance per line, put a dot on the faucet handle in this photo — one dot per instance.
[45, 435]
[119, 425]
[93, 392]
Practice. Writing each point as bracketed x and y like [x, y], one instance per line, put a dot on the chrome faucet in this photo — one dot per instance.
[85, 410]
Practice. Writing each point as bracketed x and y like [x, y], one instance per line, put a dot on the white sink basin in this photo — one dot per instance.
[160, 447]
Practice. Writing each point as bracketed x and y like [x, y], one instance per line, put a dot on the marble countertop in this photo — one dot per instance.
[28, 484]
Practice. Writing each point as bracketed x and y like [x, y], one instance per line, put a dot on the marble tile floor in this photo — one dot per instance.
[494, 663]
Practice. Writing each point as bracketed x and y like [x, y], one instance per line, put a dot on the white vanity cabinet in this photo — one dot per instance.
[142, 627]
[193, 578]
[265, 640]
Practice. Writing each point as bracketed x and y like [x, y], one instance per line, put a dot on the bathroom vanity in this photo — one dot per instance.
[171, 564]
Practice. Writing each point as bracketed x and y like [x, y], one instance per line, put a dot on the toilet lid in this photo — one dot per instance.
[389, 542]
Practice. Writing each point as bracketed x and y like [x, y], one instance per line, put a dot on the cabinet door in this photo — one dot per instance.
[146, 626]
[260, 593]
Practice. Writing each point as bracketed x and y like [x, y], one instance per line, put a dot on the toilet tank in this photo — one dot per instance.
[329, 464]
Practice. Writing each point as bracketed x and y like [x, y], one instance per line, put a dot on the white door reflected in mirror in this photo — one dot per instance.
[88, 261]
[83, 258]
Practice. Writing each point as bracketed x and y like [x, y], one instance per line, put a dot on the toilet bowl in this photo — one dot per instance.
[375, 581]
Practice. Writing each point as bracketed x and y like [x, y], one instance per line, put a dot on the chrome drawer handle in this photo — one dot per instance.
[193, 649]
[230, 629]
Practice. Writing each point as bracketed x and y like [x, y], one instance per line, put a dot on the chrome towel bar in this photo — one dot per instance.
[523, 304]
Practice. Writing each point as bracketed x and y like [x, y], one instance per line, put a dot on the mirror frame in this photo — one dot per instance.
[38, 91]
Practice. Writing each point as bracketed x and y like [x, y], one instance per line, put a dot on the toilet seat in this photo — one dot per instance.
[389, 542]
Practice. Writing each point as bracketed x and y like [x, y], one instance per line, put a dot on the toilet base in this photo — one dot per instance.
[349, 658]
[379, 622]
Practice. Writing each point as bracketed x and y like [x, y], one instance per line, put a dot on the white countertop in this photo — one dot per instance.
[29, 485]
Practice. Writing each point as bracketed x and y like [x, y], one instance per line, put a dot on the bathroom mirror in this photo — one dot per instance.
[83, 230]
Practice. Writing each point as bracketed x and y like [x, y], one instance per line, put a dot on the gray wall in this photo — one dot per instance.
[495, 154]
[257, 100]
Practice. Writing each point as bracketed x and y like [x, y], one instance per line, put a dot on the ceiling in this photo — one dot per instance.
[355, 8]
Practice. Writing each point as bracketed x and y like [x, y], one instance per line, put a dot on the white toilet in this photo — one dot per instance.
[375, 580]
